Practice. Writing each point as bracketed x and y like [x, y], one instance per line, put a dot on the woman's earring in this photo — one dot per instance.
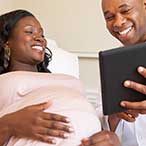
[7, 56]
[7, 53]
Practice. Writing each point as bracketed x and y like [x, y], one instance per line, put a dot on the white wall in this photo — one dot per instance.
[6, 5]
[77, 26]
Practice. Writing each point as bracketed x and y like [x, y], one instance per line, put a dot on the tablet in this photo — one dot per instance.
[116, 66]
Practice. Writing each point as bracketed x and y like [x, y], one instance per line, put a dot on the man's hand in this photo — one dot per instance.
[139, 106]
[103, 138]
[129, 115]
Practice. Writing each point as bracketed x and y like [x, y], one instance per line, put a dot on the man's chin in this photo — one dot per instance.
[129, 42]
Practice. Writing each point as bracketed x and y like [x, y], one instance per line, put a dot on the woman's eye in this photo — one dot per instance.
[29, 32]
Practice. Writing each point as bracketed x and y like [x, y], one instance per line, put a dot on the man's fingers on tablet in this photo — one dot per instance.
[141, 105]
[142, 71]
[136, 86]
[126, 116]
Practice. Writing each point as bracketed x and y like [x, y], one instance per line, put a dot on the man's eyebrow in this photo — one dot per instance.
[121, 6]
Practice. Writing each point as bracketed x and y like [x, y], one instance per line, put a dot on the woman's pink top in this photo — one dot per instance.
[20, 89]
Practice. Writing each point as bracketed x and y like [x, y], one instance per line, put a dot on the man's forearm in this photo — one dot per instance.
[113, 122]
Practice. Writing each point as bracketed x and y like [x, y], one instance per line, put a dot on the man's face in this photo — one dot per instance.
[126, 20]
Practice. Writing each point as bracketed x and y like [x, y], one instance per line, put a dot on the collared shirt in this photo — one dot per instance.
[130, 134]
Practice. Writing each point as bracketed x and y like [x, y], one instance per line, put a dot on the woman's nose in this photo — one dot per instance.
[39, 38]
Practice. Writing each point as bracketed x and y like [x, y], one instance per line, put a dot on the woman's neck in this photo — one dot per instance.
[22, 67]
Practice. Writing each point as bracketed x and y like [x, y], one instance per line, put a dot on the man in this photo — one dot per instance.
[126, 21]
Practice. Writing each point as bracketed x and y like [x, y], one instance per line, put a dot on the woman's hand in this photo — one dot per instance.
[32, 122]
[139, 106]
[103, 138]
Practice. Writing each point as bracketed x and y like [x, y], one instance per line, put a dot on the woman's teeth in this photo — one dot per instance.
[38, 48]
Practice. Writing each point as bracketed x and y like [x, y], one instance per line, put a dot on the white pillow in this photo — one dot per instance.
[62, 61]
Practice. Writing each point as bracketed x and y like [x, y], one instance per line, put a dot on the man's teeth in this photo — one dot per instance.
[125, 31]
[38, 48]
